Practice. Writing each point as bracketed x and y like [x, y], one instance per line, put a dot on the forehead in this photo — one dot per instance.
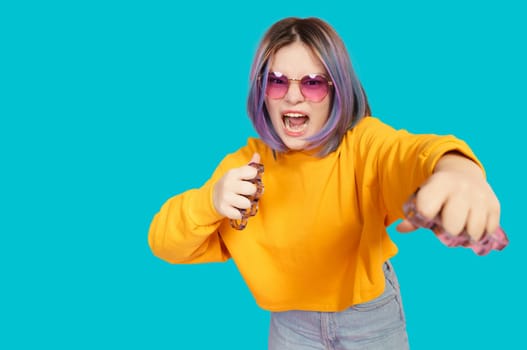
[296, 59]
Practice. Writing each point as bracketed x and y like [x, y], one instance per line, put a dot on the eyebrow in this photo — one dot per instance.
[301, 76]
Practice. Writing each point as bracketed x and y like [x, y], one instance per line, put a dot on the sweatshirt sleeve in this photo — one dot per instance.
[403, 161]
[185, 230]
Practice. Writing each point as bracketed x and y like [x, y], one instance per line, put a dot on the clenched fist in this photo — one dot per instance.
[229, 193]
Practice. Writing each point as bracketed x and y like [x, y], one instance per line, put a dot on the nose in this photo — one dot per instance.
[294, 94]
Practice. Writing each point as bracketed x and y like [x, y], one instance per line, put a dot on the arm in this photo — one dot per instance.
[449, 175]
[186, 228]
[402, 162]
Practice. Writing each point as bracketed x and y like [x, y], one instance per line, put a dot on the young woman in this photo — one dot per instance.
[316, 251]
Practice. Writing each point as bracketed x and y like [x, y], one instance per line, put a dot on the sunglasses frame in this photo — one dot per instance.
[329, 84]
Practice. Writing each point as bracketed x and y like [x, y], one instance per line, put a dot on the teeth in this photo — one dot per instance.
[294, 115]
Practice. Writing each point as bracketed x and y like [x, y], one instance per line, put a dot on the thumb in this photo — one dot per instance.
[255, 158]
[405, 226]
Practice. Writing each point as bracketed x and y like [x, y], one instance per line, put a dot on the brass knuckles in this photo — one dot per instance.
[496, 240]
[246, 213]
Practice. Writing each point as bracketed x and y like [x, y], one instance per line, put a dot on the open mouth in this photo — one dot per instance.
[295, 123]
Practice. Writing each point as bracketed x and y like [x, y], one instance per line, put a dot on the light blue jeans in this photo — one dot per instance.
[376, 325]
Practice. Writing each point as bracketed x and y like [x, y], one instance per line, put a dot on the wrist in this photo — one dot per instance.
[457, 162]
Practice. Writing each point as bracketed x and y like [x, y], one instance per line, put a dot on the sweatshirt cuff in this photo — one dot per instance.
[201, 208]
[451, 144]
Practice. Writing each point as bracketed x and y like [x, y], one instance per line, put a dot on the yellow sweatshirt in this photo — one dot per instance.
[319, 239]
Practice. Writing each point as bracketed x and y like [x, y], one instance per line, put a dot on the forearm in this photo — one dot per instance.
[179, 231]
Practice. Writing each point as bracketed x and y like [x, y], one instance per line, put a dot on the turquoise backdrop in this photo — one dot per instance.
[108, 108]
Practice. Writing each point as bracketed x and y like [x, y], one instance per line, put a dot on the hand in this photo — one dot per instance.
[460, 195]
[229, 193]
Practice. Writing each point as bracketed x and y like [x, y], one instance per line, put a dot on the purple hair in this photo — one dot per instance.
[349, 101]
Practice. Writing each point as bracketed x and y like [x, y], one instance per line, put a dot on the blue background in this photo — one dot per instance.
[109, 108]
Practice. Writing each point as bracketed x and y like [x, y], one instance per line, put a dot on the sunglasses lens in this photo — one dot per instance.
[277, 85]
[314, 88]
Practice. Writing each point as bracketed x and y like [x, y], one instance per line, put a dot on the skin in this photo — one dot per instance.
[457, 189]
[459, 192]
[296, 61]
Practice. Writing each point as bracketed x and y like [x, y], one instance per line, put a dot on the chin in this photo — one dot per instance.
[296, 145]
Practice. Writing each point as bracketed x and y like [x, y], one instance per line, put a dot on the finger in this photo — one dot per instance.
[430, 200]
[238, 201]
[246, 172]
[255, 158]
[232, 213]
[493, 219]
[227, 209]
[245, 188]
[454, 215]
[493, 222]
[476, 223]
[405, 226]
